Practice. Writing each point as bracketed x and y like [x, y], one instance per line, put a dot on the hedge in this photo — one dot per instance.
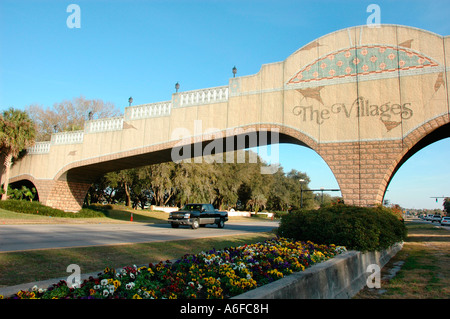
[36, 208]
[357, 228]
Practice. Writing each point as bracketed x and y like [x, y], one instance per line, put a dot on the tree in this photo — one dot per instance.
[158, 180]
[446, 205]
[17, 132]
[68, 115]
[22, 193]
[239, 184]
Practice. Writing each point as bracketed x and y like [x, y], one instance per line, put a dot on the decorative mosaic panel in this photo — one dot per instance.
[363, 60]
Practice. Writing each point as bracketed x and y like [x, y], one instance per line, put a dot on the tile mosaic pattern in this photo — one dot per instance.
[363, 60]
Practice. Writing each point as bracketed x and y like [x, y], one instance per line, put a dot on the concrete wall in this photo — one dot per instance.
[339, 278]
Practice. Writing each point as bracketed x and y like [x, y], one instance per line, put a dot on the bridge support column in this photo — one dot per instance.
[64, 195]
[362, 169]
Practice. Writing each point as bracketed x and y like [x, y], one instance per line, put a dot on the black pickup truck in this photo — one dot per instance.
[196, 215]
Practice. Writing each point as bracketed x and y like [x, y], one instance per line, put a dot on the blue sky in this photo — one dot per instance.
[142, 48]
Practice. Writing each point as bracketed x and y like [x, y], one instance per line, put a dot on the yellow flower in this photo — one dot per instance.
[136, 296]
[116, 284]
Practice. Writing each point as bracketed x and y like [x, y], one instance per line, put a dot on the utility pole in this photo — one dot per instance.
[315, 190]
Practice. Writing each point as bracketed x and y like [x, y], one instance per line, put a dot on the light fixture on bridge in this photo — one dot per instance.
[177, 86]
[234, 71]
[130, 100]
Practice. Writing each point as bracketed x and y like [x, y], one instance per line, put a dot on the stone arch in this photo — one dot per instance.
[69, 187]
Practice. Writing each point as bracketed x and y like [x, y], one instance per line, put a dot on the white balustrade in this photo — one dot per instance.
[148, 110]
[189, 98]
[204, 96]
[104, 125]
[72, 137]
[39, 148]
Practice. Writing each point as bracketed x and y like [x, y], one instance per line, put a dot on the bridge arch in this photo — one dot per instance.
[27, 181]
[433, 131]
[72, 181]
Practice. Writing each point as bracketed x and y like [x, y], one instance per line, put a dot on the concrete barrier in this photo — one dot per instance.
[339, 278]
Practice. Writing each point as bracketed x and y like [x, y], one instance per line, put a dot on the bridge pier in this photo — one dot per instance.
[64, 195]
[362, 169]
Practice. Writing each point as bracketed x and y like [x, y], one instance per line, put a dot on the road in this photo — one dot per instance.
[29, 237]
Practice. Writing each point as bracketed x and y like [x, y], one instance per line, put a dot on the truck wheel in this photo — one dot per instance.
[221, 223]
[174, 225]
[195, 224]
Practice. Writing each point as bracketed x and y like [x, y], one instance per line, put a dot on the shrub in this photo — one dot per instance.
[357, 228]
[36, 208]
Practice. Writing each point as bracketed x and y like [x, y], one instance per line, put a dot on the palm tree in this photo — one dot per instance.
[17, 132]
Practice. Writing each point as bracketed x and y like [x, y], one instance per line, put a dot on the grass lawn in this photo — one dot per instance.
[117, 214]
[425, 273]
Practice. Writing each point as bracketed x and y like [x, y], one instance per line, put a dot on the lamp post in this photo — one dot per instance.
[301, 192]
[130, 100]
[234, 71]
[177, 86]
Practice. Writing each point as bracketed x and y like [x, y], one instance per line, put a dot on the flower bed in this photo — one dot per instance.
[216, 274]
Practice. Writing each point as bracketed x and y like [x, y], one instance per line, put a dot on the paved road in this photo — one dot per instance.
[27, 237]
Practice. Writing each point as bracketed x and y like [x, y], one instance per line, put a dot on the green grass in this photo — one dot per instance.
[6, 214]
[425, 273]
[36, 208]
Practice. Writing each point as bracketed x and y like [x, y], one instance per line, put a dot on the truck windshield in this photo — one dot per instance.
[192, 207]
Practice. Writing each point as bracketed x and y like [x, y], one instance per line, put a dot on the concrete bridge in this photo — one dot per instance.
[365, 99]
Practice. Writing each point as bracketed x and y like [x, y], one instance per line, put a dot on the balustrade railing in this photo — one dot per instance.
[39, 148]
[71, 137]
[148, 110]
[104, 125]
[204, 96]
